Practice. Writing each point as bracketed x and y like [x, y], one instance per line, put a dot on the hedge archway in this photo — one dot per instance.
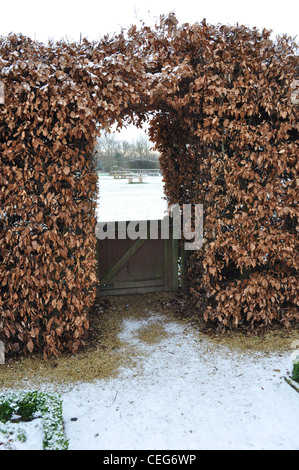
[223, 120]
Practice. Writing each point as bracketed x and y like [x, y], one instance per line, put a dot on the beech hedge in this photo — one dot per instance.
[219, 101]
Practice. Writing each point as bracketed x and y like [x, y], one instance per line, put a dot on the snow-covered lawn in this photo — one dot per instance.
[119, 200]
[186, 393]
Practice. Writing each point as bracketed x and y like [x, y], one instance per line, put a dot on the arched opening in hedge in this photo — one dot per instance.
[227, 130]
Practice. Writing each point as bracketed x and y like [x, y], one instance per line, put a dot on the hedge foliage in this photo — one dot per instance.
[57, 97]
[227, 129]
[219, 100]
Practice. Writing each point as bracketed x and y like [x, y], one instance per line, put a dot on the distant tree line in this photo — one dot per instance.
[112, 153]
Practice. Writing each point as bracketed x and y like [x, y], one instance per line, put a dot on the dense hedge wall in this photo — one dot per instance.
[221, 117]
[47, 199]
[227, 129]
[57, 97]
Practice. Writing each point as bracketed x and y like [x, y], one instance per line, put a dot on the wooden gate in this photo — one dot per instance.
[146, 264]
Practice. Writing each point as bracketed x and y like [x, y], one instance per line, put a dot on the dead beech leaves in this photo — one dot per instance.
[227, 131]
[219, 98]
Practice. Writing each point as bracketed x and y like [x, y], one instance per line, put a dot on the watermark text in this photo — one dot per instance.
[181, 223]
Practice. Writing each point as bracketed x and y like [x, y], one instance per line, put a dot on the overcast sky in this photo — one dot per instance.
[93, 18]
[67, 19]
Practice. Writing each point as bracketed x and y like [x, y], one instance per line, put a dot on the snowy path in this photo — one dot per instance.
[186, 395]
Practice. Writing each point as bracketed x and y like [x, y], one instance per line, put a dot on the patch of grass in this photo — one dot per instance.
[105, 353]
[152, 333]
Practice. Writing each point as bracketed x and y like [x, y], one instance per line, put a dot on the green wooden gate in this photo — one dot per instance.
[146, 264]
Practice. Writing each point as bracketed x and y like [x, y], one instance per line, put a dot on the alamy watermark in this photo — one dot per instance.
[295, 92]
[1, 93]
[182, 222]
[2, 353]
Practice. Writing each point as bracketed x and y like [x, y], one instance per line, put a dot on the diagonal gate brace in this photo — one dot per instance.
[116, 267]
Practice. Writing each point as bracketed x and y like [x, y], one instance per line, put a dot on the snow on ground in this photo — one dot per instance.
[119, 200]
[23, 436]
[186, 393]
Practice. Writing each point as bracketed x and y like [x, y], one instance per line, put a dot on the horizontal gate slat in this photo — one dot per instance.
[116, 288]
[151, 282]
